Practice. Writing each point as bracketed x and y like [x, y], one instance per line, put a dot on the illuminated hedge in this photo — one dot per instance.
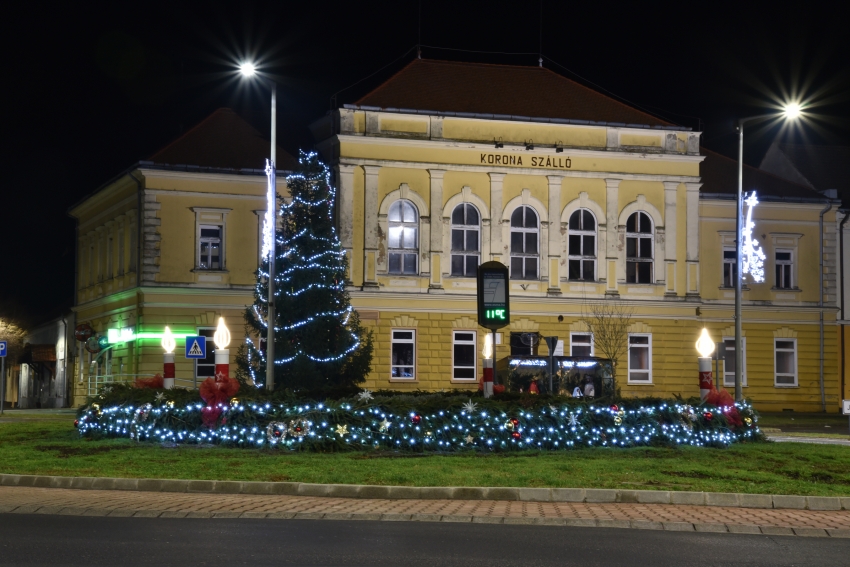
[435, 423]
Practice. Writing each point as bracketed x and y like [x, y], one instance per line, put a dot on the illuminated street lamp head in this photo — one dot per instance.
[221, 338]
[247, 69]
[792, 111]
[705, 346]
[168, 342]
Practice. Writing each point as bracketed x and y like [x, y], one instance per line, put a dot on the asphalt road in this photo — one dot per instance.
[67, 540]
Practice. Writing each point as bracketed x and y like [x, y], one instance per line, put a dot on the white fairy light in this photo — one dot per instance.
[752, 255]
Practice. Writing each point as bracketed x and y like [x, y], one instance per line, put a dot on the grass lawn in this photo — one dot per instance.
[50, 445]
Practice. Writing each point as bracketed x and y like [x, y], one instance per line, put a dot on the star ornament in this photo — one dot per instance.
[365, 396]
[219, 375]
[573, 420]
[470, 407]
[159, 397]
[385, 425]
[342, 430]
[469, 439]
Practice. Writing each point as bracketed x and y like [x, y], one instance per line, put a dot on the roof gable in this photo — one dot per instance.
[222, 140]
[446, 86]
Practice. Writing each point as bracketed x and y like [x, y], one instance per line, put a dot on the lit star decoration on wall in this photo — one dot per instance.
[752, 255]
[343, 425]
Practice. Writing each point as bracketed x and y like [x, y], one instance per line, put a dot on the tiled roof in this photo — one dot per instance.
[479, 88]
[221, 140]
[825, 167]
[720, 175]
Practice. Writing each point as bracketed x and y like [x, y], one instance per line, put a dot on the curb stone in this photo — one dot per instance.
[579, 495]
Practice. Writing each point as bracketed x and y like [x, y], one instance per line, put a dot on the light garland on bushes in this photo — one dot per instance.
[317, 426]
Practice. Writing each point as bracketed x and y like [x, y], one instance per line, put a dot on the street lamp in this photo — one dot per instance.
[790, 111]
[248, 70]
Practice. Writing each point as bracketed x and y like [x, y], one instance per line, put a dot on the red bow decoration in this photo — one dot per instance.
[215, 393]
[723, 399]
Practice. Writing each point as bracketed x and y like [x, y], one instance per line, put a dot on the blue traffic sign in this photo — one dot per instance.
[196, 347]
[3, 347]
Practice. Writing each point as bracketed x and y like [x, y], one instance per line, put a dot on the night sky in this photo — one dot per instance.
[91, 88]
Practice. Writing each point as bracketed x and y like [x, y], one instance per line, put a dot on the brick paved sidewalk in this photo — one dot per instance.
[27, 500]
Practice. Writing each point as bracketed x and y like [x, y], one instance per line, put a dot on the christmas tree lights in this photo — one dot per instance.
[316, 331]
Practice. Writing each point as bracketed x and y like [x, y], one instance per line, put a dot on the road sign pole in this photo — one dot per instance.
[2, 384]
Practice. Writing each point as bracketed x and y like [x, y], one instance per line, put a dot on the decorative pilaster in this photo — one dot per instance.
[436, 204]
[496, 180]
[692, 241]
[670, 222]
[345, 212]
[370, 227]
[612, 238]
[554, 249]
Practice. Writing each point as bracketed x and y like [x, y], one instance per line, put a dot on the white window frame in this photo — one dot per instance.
[582, 233]
[412, 341]
[724, 263]
[629, 359]
[638, 236]
[210, 240]
[414, 224]
[474, 344]
[525, 255]
[789, 263]
[776, 375]
[574, 344]
[211, 218]
[729, 371]
[465, 228]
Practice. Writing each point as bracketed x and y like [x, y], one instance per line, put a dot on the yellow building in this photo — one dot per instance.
[447, 165]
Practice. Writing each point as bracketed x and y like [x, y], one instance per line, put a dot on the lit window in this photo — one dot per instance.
[640, 359]
[784, 266]
[464, 355]
[639, 245]
[730, 271]
[209, 253]
[465, 240]
[403, 354]
[581, 344]
[524, 238]
[403, 238]
[729, 362]
[582, 246]
[785, 368]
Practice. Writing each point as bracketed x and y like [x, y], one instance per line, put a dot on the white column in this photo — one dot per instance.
[345, 211]
[692, 242]
[670, 222]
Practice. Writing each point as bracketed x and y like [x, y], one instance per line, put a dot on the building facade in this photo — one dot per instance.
[447, 165]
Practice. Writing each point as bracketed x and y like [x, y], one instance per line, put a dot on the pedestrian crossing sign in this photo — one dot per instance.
[196, 347]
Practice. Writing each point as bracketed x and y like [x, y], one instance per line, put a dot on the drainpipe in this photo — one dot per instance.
[820, 305]
[843, 316]
[139, 248]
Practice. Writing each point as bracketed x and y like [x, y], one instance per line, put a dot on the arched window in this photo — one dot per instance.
[525, 234]
[639, 248]
[403, 238]
[582, 246]
[466, 240]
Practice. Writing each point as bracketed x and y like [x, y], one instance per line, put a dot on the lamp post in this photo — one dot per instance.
[221, 338]
[169, 344]
[705, 346]
[791, 111]
[488, 364]
[248, 70]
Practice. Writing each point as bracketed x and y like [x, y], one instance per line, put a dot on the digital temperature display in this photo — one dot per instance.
[493, 308]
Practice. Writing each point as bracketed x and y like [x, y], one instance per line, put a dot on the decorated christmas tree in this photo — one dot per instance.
[319, 343]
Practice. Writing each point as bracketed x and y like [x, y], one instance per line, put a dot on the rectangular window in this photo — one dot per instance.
[403, 354]
[640, 359]
[205, 367]
[784, 267]
[209, 244]
[730, 271]
[729, 362]
[524, 344]
[785, 366]
[581, 344]
[464, 356]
